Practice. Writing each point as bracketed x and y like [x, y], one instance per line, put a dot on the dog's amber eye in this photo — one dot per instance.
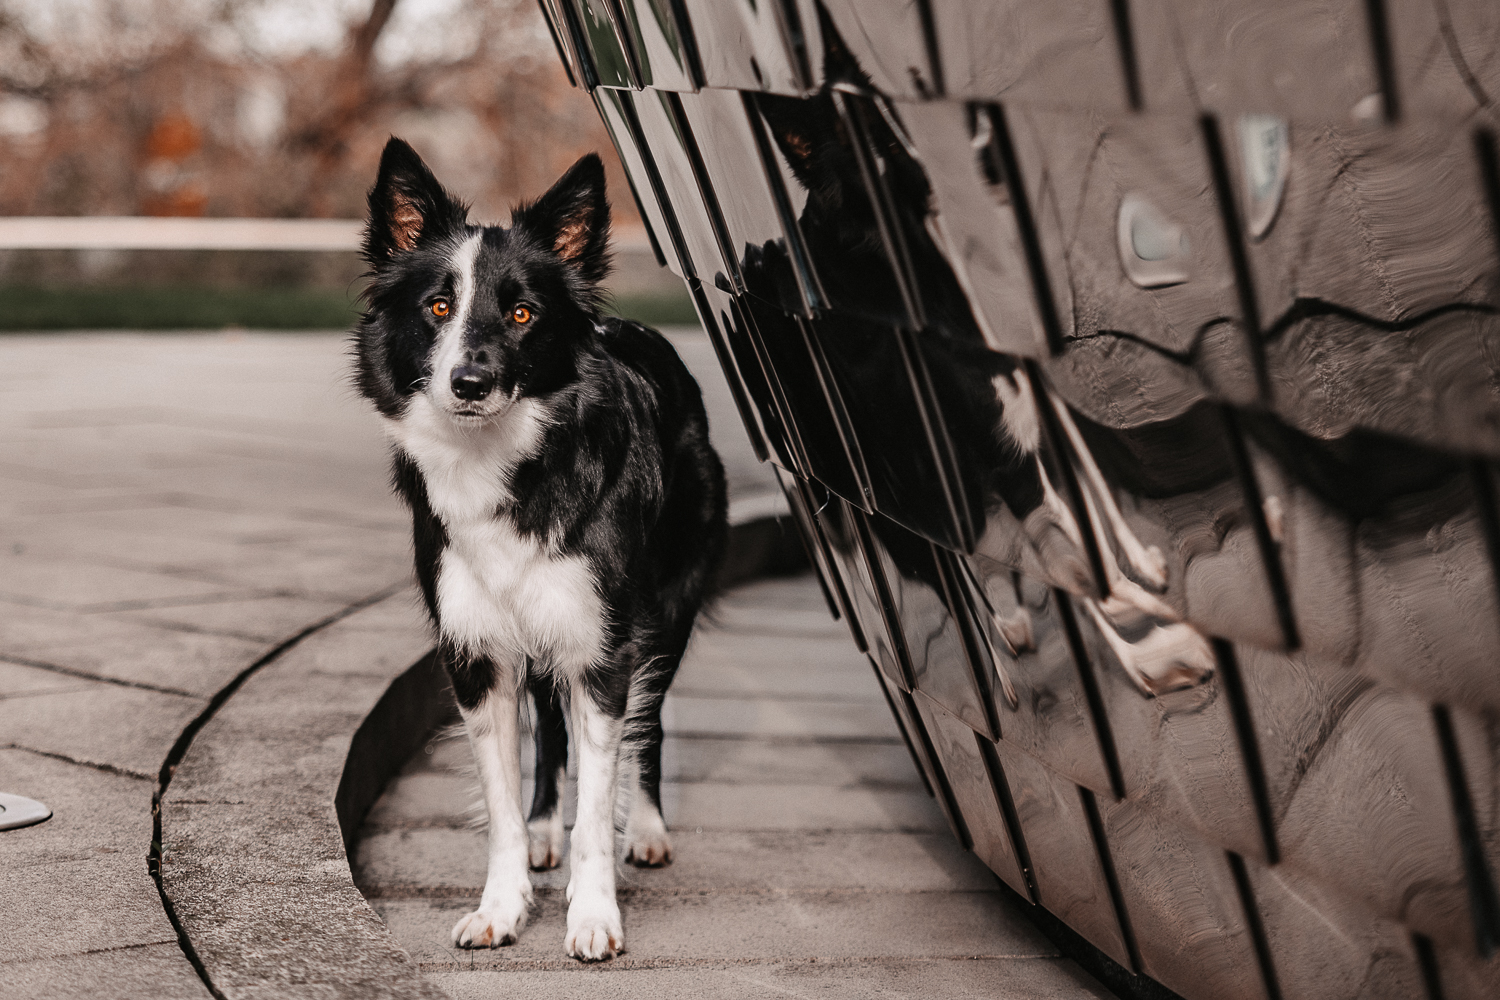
[521, 314]
[440, 308]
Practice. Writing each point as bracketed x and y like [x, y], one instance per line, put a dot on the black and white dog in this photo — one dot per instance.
[568, 515]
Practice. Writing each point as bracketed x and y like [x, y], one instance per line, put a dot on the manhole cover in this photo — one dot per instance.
[17, 811]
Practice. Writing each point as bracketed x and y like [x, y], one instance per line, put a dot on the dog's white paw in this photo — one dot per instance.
[545, 837]
[647, 843]
[649, 849]
[489, 928]
[595, 936]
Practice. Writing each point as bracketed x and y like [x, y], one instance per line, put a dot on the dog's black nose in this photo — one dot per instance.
[472, 383]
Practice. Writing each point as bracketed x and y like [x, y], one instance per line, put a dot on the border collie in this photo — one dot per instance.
[567, 509]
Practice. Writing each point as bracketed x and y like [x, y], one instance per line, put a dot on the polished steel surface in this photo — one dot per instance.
[1131, 370]
[1185, 915]
[972, 782]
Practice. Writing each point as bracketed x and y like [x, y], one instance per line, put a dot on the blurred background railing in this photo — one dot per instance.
[189, 165]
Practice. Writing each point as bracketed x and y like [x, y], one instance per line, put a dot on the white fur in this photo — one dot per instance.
[594, 928]
[449, 352]
[1171, 656]
[506, 595]
[1018, 414]
[1146, 561]
[546, 832]
[494, 734]
[647, 842]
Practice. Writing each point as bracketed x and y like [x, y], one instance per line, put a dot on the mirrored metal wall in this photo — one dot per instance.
[1133, 370]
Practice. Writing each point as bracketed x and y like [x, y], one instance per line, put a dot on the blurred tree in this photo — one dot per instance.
[278, 107]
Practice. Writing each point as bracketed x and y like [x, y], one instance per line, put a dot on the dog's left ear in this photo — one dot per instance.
[573, 219]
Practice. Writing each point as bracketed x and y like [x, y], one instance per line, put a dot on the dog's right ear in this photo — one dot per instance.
[408, 206]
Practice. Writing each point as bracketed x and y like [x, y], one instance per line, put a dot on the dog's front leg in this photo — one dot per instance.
[494, 732]
[594, 930]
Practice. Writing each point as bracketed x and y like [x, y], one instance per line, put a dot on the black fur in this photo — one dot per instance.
[624, 477]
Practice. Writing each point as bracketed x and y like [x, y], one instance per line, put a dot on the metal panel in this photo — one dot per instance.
[665, 50]
[1184, 908]
[1066, 867]
[1465, 976]
[888, 422]
[865, 581]
[940, 637]
[1384, 549]
[974, 222]
[727, 323]
[1323, 944]
[657, 212]
[1044, 705]
[1282, 57]
[767, 45]
[1379, 264]
[818, 554]
[1358, 791]
[557, 14]
[675, 152]
[611, 53]
[820, 432]
[1471, 755]
[884, 45]
[974, 792]
[919, 742]
[758, 242]
[1177, 537]
[1062, 53]
[1134, 248]
[838, 221]
[1443, 59]
[1178, 748]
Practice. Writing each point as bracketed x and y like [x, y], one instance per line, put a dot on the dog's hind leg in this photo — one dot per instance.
[647, 843]
[594, 928]
[545, 824]
[491, 713]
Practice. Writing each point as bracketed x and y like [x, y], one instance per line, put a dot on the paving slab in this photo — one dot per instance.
[706, 925]
[257, 619]
[771, 718]
[157, 971]
[253, 857]
[859, 979]
[134, 652]
[76, 883]
[444, 862]
[106, 725]
[809, 858]
[159, 549]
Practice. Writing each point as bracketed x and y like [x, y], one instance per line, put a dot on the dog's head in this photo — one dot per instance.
[477, 317]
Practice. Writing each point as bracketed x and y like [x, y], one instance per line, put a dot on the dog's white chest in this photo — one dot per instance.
[498, 592]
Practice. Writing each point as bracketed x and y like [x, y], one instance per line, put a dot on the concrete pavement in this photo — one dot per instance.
[177, 511]
[172, 508]
[809, 858]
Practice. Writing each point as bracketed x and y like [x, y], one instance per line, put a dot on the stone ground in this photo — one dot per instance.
[810, 860]
[174, 507]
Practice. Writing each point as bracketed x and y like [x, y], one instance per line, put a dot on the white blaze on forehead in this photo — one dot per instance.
[448, 351]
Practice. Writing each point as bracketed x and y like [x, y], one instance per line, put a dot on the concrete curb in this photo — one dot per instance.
[258, 816]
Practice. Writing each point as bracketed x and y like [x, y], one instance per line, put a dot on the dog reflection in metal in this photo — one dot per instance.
[1157, 650]
[568, 515]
